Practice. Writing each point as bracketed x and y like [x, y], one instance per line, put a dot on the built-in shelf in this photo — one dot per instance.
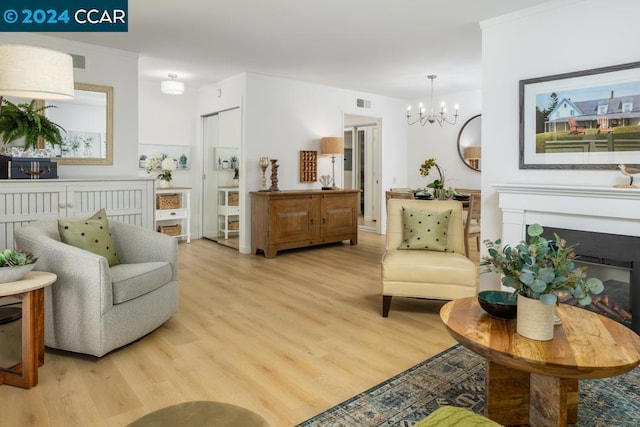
[180, 214]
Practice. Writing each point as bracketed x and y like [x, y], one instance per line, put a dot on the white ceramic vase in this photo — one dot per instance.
[164, 184]
[534, 319]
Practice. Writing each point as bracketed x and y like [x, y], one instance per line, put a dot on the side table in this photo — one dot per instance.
[30, 290]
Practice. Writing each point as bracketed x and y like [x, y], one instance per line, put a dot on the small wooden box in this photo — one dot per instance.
[171, 230]
[234, 225]
[167, 201]
[234, 199]
[27, 168]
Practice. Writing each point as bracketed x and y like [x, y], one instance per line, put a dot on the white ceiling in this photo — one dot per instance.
[379, 46]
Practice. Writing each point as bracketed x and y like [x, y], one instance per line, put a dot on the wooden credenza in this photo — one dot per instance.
[299, 218]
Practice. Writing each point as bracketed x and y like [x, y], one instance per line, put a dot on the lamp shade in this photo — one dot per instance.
[35, 72]
[472, 152]
[172, 87]
[332, 145]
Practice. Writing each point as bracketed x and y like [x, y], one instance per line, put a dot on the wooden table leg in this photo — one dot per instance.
[554, 401]
[25, 374]
[38, 296]
[507, 395]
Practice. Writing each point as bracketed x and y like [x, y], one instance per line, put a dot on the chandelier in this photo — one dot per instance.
[432, 117]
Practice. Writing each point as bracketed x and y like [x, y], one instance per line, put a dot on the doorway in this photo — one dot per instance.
[362, 142]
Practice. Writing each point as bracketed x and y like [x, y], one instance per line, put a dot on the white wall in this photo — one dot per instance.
[108, 67]
[284, 116]
[169, 120]
[529, 44]
[441, 143]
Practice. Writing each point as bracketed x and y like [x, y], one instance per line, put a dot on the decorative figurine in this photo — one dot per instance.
[263, 163]
[274, 175]
[326, 182]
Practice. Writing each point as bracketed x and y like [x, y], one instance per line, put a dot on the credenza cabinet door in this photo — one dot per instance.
[294, 220]
[339, 215]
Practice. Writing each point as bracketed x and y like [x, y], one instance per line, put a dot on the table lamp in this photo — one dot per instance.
[332, 145]
[35, 72]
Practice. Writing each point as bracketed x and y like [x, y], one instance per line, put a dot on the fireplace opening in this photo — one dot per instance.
[613, 302]
[615, 259]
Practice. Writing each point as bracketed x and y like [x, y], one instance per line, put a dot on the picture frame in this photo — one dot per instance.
[226, 158]
[181, 154]
[587, 119]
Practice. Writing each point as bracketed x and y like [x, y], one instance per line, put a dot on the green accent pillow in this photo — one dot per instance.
[450, 416]
[425, 230]
[92, 235]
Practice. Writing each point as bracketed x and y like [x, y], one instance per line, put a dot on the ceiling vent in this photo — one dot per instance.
[79, 61]
[363, 103]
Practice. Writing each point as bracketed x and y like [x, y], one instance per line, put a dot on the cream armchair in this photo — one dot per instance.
[93, 308]
[423, 273]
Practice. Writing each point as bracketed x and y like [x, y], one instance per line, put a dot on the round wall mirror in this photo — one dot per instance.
[469, 147]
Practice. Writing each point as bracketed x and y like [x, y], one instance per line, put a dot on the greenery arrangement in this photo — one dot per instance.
[12, 258]
[426, 167]
[28, 121]
[541, 268]
[163, 166]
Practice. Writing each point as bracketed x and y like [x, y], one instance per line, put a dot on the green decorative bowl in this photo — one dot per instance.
[500, 304]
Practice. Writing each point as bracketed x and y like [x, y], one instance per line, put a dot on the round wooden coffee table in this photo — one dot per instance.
[536, 382]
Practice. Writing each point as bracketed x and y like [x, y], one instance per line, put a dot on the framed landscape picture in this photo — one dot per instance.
[582, 120]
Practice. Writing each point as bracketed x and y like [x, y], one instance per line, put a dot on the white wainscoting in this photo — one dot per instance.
[23, 201]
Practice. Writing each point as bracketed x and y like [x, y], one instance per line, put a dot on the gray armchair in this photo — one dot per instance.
[93, 308]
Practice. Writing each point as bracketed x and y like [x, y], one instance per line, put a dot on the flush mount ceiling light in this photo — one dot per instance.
[35, 72]
[432, 117]
[173, 86]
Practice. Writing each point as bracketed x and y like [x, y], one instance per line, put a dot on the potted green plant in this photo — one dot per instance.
[28, 121]
[538, 270]
[437, 184]
[236, 177]
[15, 264]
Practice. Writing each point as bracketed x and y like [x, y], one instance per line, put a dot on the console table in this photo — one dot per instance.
[536, 382]
[299, 218]
[31, 291]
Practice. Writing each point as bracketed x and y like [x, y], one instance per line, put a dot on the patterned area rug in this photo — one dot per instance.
[456, 377]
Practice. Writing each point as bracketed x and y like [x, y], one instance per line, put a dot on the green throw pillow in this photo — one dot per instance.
[425, 230]
[92, 235]
[449, 416]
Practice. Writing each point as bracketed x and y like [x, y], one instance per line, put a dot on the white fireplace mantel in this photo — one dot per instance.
[586, 208]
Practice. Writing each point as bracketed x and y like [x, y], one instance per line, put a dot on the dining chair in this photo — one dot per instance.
[472, 221]
[398, 193]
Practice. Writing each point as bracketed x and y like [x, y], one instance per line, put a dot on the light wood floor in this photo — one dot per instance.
[287, 338]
